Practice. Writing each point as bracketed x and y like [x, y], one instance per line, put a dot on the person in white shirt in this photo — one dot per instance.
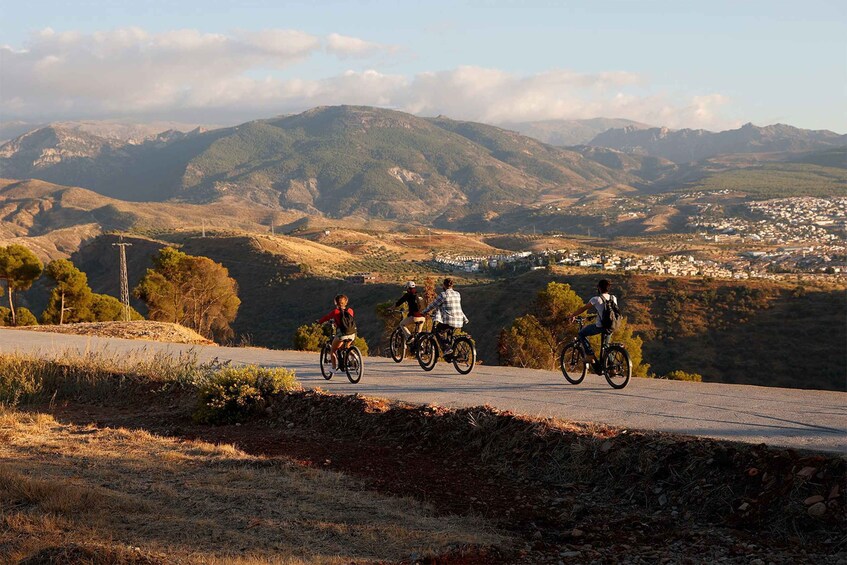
[599, 303]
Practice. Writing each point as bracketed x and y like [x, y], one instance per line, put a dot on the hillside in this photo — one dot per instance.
[332, 160]
[55, 220]
[682, 146]
[687, 324]
[565, 133]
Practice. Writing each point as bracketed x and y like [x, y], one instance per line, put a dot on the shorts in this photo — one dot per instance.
[340, 337]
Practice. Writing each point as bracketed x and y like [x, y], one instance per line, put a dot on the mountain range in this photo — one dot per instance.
[564, 133]
[370, 163]
[687, 145]
[332, 160]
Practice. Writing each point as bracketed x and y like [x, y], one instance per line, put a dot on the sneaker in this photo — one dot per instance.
[597, 367]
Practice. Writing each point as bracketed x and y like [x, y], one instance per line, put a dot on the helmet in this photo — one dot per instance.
[408, 285]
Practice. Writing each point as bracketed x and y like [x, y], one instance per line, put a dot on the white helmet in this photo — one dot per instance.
[410, 284]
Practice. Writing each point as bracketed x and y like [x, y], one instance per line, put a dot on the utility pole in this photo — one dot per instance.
[272, 227]
[124, 279]
[204, 227]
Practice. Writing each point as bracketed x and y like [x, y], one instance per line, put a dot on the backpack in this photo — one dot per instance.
[420, 304]
[348, 324]
[611, 314]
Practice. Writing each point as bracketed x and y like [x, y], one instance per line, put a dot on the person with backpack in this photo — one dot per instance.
[608, 318]
[414, 303]
[345, 325]
[448, 316]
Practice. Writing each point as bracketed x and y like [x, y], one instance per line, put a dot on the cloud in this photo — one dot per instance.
[193, 76]
[345, 46]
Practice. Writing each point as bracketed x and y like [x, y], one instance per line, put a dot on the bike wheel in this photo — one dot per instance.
[617, 366]
[464, 354]
[397, 344]
[326, 361]
[354, 366]
[427, 353]
[573, 364]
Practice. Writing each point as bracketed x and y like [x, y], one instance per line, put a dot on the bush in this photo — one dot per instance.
[25, 317]
[235, 393]
[310, 337]
[683, 376]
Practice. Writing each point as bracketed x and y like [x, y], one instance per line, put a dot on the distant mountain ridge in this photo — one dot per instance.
[686, 145]
[565, 133]
[333, 160]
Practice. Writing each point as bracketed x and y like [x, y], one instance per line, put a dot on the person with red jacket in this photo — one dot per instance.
[345, 325]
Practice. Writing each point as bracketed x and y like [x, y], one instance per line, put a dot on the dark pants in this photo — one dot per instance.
[587, 332]
[444, 334]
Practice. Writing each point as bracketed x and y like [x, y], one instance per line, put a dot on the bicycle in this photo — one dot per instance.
[398, 343]
[349, 359]
[615, 364]
[463, 346]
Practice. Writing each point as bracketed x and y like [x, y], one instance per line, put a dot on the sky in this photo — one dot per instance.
[713, 65]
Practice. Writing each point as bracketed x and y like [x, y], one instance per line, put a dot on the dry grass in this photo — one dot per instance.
[84, 494]
[139, 329]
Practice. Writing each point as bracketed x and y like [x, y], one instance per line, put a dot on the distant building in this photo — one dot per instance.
[361, 278]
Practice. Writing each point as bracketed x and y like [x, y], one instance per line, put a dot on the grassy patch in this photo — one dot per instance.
[126, 496]
[233, 394]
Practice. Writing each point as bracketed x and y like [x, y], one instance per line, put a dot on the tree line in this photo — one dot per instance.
[195, 292]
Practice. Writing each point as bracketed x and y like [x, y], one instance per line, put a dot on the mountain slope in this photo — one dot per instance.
[682, 146]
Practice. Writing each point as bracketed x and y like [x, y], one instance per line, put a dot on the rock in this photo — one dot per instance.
[663, 500]
[813, 500]
[569, 554]
[577, 533]
[536, 535]
[807, 472]
[744, 506]
[757, 562]
[817, 510]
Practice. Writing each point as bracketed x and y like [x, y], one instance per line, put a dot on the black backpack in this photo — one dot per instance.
[611, 314]
[348, 324]
[420, 304]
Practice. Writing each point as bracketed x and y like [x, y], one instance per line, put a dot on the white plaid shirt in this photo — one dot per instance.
[448, 309]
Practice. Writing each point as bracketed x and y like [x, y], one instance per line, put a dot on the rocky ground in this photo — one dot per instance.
[567, 493]
[141, 329]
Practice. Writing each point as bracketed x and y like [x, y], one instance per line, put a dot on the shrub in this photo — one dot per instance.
[235, 393]
[310, 337]
[683, 376]
[24, 317]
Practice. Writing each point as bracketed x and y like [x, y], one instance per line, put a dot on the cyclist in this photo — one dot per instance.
[345, 325]
[448, 316]
[414, 302]
[599, 303]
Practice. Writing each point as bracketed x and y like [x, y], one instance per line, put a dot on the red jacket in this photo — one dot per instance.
[335, 315]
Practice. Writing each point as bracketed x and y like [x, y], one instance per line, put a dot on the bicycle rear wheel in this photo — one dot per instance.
[427, 353]
[354, 366]
[397, 344]
[326, 361]
[617, 366]
[464, 354]
[573, 364]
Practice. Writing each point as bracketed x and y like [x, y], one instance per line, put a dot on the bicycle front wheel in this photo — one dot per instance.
[427, 352]
[397, 345]
[573, 364]
[617, 366]
[464, 354]
[326, 361]
[354, 366]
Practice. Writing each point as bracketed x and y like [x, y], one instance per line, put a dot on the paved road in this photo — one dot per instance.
[806, 419]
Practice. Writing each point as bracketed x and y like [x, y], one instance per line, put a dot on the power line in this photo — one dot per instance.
[124, 279]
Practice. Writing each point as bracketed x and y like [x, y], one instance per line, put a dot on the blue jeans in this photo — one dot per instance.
[587, 332]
